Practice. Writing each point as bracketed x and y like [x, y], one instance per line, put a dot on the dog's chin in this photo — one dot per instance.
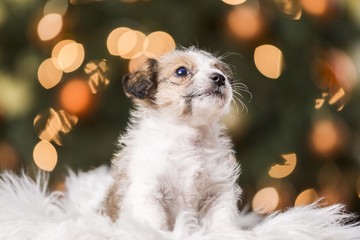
[212, 104]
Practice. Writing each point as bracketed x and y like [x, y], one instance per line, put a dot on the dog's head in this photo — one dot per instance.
[185, 84]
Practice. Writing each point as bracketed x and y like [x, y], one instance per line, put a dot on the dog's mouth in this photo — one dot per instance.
[214, 92]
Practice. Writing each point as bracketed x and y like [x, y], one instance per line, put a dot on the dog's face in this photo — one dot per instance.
[189, 85]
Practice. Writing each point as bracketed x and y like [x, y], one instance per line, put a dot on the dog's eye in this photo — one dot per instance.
[181, 72]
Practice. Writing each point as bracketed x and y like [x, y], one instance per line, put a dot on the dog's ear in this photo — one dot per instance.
[142, 83]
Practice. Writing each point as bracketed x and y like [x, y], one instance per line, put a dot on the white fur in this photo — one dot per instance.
[27, 211]
[178, 161]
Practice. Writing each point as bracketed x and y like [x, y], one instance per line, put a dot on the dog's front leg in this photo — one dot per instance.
[141, 202]
[223, 214]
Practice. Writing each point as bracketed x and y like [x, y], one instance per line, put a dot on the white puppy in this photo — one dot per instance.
[175, 156]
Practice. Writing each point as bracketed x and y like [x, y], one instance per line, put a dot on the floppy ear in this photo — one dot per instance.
[142, 83]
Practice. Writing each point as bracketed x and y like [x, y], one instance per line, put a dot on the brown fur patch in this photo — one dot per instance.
[141, 85]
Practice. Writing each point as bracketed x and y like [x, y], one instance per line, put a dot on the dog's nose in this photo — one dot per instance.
[218, 79]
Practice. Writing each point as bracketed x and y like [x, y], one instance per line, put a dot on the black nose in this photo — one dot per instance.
[218, 79]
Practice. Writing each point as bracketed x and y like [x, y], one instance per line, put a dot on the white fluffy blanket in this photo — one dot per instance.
[28, 211]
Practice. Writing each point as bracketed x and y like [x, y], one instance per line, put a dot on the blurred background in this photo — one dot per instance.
[298, 139]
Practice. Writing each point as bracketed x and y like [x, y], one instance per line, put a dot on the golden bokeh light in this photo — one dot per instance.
[325, 137]
[245, 22]
[47, 124]
[234, 2]
[50, 123]
[137, 62]
[266, 200]
[158, 43]
[306, 197]
[269, 60]
[49, 26]
[284, 170]
[131, 44]
[75, 97]
[113, 39]
[317, 8]
[68, 121]
[70, 56]
[48, 74]
[97, 71]
[56, 6]
[45, 155]
[292, 8]
[335, 73]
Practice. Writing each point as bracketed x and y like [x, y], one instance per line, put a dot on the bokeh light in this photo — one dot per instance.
[135, 63]
[97, 71]
[16, 95]
[306, 197]
[49, 26]
[269, 60]
[335, 73]
[47, 124]
[292, 8]
[9, 159]
[283, 170]
[326, 137]
[48, 74]
[136, 46]
[158, 43]
[75, 96]
[68, 55]
[317, 8]
[3, 12]
[266, 200]
[130, 44]
[234, 2]
[113, 39]
[56, 6]
[245, 22]
[50, 123]
[45, 155]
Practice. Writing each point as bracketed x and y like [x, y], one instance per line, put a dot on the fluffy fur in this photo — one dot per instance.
[173, 178]
[28, 211]
[175, 156]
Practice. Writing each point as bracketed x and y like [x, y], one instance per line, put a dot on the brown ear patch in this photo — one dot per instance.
[142, 83]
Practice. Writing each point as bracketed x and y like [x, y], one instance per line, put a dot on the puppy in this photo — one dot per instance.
[175, 156]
